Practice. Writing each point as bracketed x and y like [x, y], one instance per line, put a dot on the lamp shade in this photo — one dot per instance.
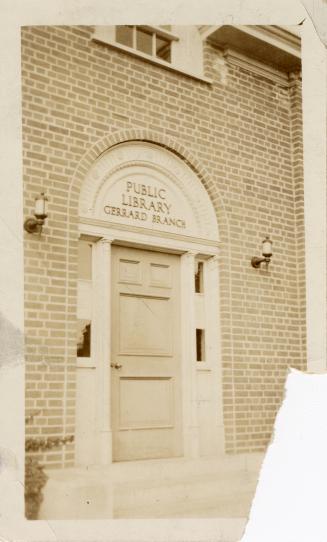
[41, 206]
[267, 247]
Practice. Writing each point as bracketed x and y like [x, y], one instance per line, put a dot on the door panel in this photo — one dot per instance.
[145, 327]
[146, 387]
[156, 408]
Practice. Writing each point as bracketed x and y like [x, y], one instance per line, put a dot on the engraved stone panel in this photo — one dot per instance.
[141, 196]
[142, 185]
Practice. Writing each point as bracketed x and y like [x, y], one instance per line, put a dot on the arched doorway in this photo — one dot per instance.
[155, 371]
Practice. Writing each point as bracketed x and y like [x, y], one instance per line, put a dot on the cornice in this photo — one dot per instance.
[281, 37]
[235, 58]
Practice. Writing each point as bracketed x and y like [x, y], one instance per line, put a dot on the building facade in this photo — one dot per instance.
[167, 155]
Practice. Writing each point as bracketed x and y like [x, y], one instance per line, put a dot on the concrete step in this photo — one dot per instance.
[179, 487]
[212, 488]
[143, 492]
[228, 509]
[167, 469]
[234, 504]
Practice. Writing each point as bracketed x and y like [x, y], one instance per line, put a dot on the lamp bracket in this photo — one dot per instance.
[256, 262]
[33, 225]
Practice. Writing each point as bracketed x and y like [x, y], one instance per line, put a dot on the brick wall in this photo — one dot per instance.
[246, 132]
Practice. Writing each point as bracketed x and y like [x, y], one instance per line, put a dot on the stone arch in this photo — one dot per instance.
[109, 141]
[137, 183]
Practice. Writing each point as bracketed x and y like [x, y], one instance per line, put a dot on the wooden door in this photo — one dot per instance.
[145, 357]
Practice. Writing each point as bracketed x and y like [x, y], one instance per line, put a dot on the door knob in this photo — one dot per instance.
[116, 365]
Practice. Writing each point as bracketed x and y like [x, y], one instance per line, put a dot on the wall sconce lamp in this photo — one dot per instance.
[266, 253]
[34, 225]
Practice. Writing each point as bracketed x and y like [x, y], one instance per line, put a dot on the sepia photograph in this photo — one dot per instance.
[164, 264]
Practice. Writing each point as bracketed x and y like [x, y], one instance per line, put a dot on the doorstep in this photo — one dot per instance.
[77, 493]
[160, 488]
